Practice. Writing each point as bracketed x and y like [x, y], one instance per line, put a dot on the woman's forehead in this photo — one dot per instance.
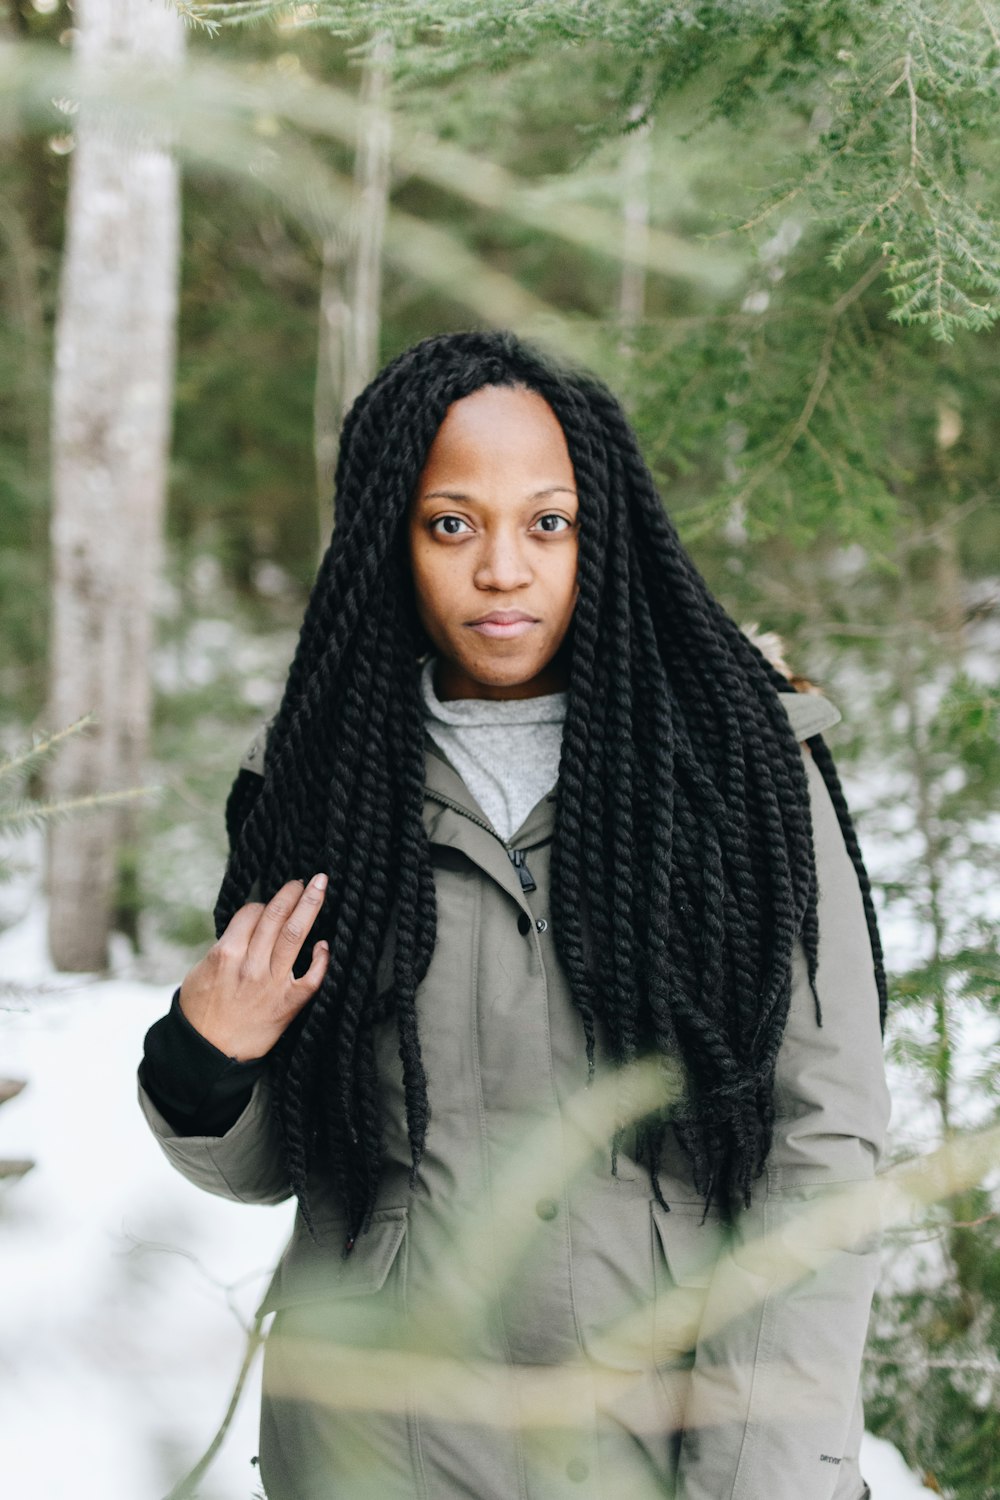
[498, 429]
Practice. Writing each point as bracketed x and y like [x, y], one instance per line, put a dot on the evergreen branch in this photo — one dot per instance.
[938, 276]
[919, 536]
[916, 93]
[19, 815]
[822, 375]
[28, 759]
[989, 22]
[852, 631]
[875, 214]
[770, 208]
[827, 458]
[976, 229]
[918, 1362]
[23, 989]
[820, 171]
[973, 1223]
[239, 12]
[912, 94]
[193, 16]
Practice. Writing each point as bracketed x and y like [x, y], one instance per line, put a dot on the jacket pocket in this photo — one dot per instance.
[686, 1247]
[318, 1272]
[691, 1242]
[336, 1381]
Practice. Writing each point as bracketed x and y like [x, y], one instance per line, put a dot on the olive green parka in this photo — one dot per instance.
[524, 1324]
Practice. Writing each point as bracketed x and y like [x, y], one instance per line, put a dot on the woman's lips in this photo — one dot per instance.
[502, 630]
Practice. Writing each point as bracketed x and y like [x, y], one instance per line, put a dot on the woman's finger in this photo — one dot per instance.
[300, 991]
[239, 930]
[292, 932]
[257, 957]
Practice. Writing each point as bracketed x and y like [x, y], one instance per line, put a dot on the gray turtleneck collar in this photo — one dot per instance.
[505, 750]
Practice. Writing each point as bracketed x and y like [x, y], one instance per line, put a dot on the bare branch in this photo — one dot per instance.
[185, 1489]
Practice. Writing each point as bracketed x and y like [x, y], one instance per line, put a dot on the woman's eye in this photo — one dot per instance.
[450, 525]
[451, 530]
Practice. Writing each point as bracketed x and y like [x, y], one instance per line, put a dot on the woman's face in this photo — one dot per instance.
[493, 529]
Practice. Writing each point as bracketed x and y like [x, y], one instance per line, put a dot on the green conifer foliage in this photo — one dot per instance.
[901, 95]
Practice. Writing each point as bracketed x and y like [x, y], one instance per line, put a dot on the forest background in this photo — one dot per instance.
[772, 229]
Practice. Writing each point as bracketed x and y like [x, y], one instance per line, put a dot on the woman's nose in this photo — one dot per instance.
[502, 564]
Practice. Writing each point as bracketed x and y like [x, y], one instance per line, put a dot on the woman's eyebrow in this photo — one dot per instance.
[552, 489]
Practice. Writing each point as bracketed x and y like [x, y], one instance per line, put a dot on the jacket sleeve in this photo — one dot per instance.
[774, 1400]
[244, 1164]
[193, 1084]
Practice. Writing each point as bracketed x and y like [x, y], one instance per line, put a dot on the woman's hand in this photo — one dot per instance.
[243, 994]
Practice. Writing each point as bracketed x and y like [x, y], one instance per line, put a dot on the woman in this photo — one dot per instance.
[547, 972]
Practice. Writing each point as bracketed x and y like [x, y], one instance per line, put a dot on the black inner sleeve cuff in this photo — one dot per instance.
[197, 1088]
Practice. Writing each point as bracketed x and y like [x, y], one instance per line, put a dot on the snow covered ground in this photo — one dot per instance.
[121, 1286]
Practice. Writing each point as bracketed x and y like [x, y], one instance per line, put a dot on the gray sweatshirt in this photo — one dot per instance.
[506, 751]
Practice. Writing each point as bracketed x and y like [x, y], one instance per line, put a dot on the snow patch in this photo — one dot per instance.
[121, 1285]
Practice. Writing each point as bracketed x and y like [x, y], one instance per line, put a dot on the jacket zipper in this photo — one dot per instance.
[523, 873]
[516, 856]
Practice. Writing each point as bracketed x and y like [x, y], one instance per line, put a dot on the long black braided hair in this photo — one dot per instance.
[683, 870]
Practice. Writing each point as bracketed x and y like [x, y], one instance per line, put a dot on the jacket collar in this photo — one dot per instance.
[454, 819]
[810, 713]
[443, 785]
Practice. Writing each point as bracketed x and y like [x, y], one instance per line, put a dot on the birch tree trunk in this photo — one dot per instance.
[351, 280]
[112, 401]
[635, 231]
[328, 397]
[371, 181]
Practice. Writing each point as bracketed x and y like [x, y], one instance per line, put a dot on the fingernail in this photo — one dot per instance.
[320, 882]
[324, 945]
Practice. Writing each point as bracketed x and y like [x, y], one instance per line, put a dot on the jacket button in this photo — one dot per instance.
[524, 924]
[546, 1208]
[541, 924]
[577, 1469]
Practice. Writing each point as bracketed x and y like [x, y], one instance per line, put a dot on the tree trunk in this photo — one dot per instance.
[351, 280]
[328, 399]
[112, 399]
[371, 182]
[635, 231]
